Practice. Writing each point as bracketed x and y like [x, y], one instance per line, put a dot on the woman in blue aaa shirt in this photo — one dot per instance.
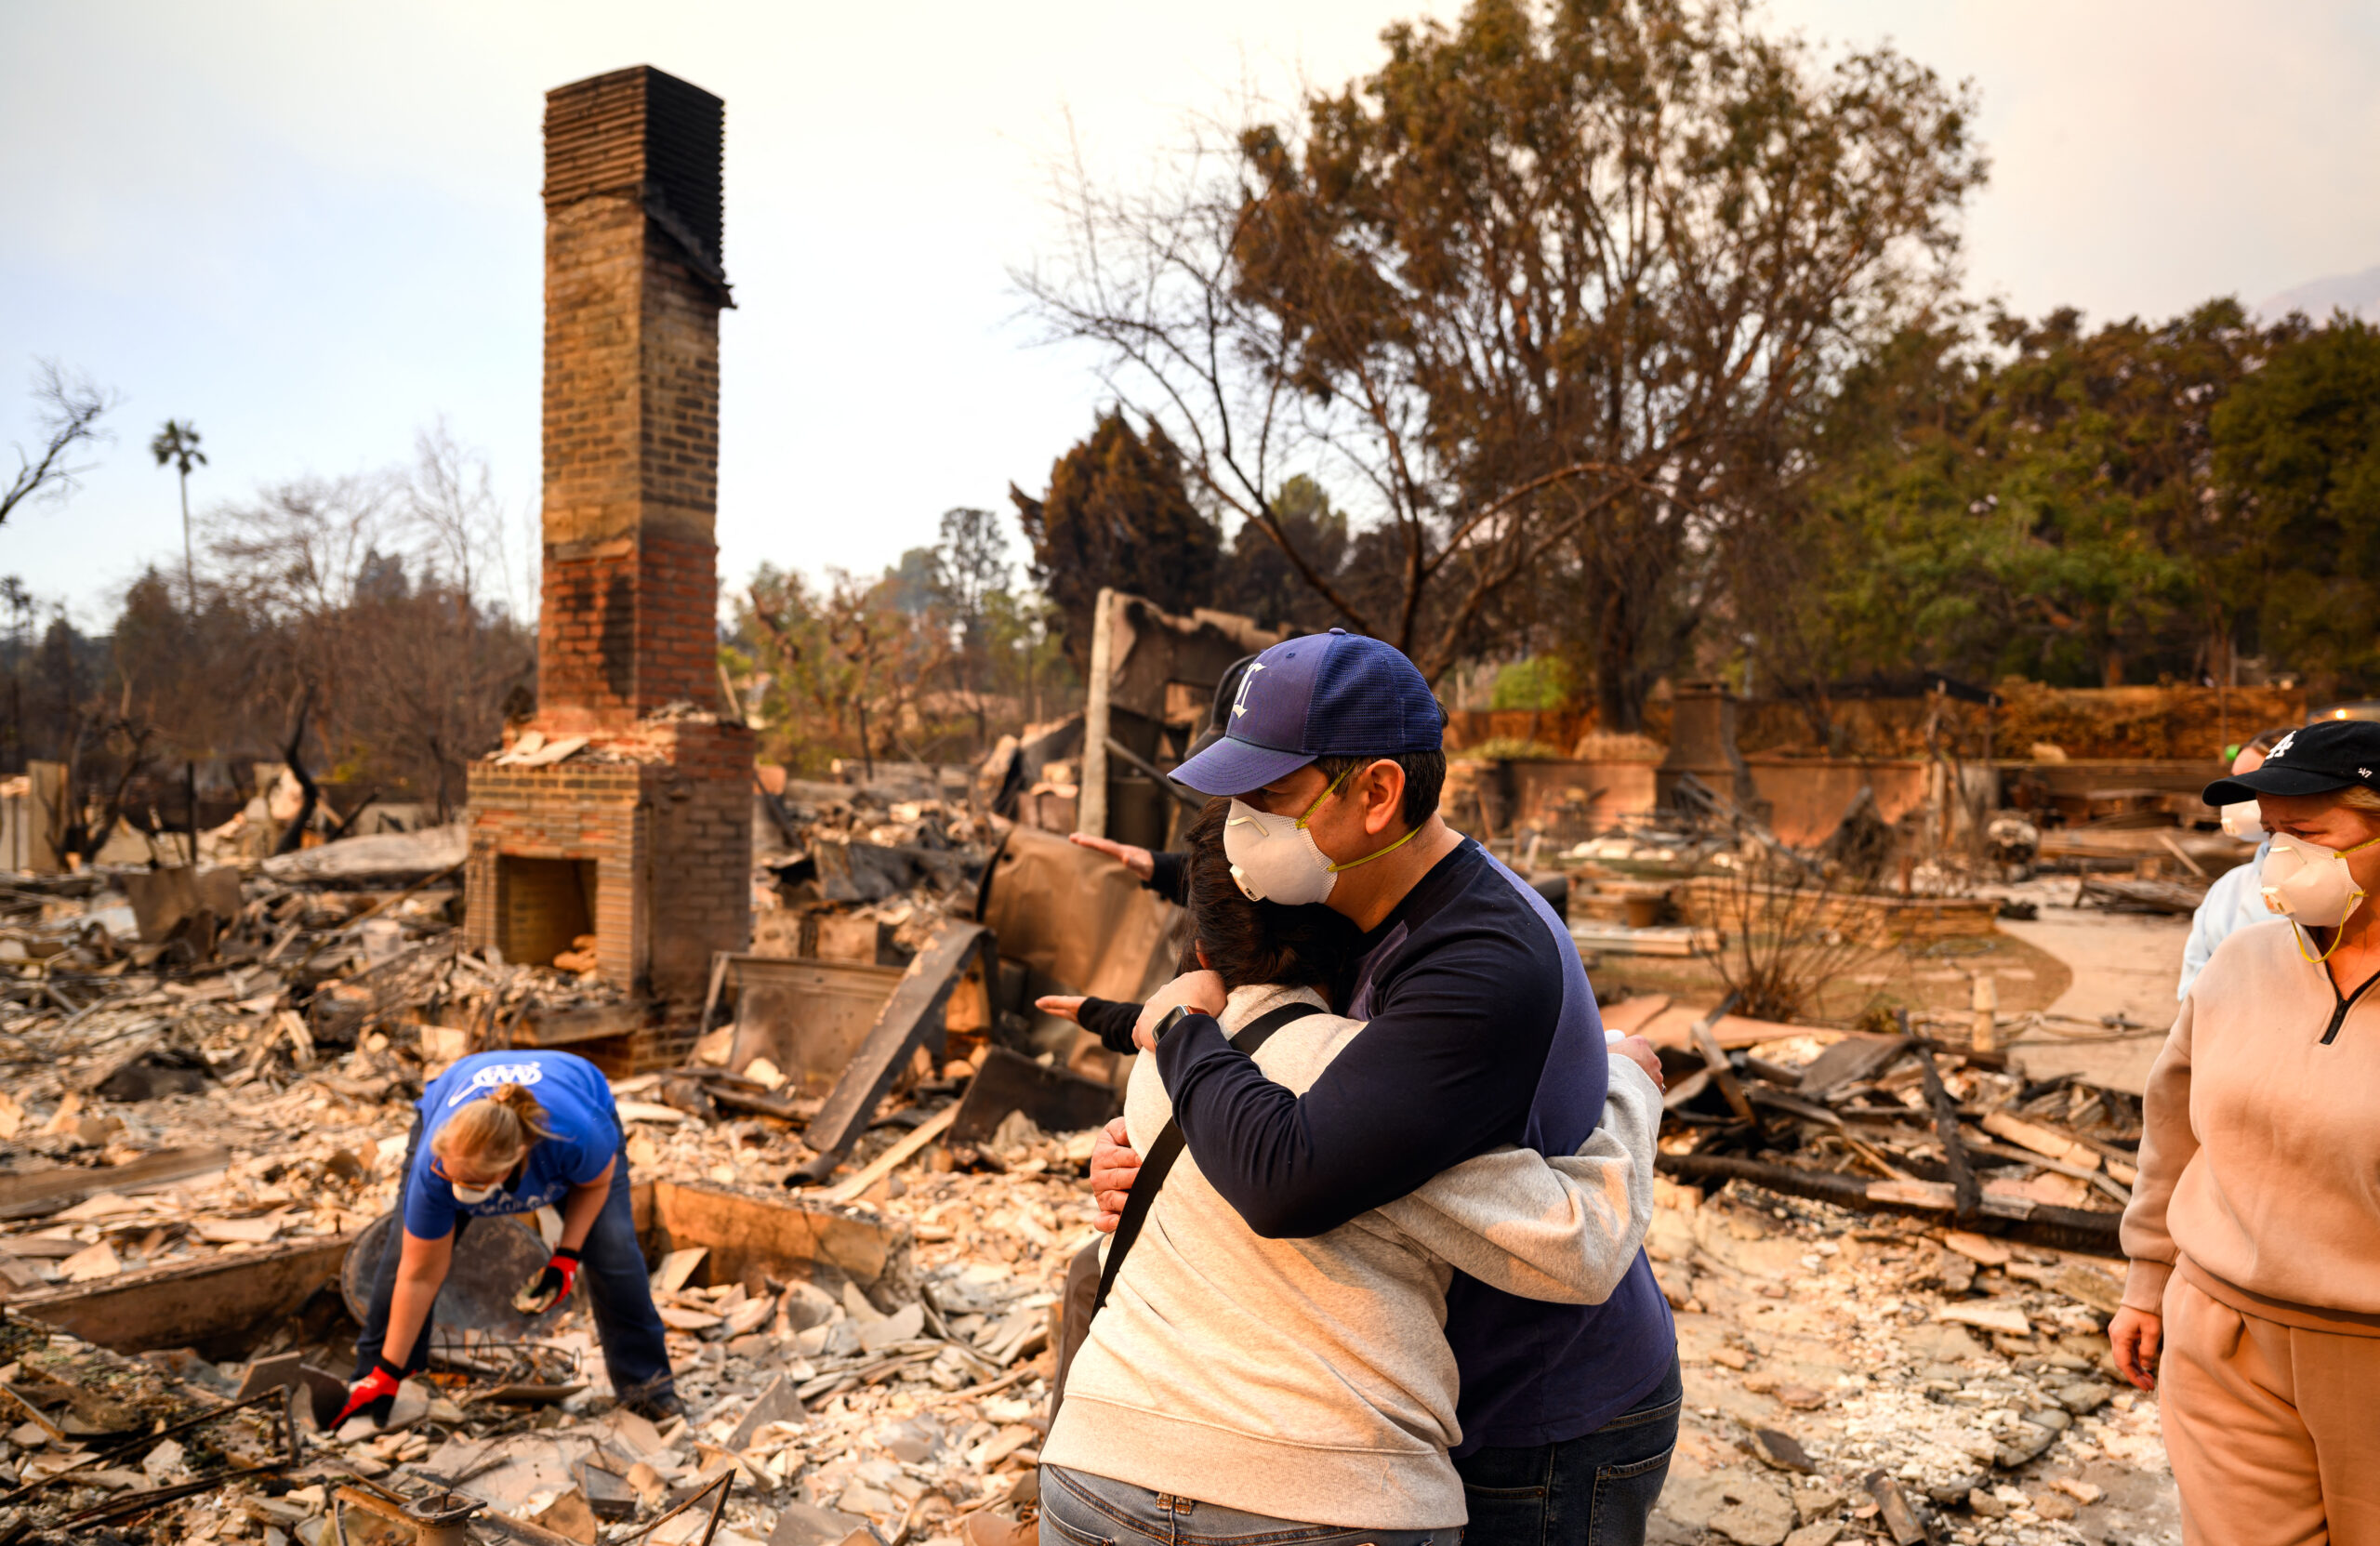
[509, 1132]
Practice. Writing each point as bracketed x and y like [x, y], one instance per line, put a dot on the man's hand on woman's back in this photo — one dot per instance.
[1638, 1051]
[1113, 1167]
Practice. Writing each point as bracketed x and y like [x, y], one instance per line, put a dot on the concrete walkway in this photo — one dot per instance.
[2123, 963]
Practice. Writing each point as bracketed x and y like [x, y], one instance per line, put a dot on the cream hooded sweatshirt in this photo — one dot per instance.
[1310, 1379]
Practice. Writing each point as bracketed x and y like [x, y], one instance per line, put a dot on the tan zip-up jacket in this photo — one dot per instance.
[2260, 1161]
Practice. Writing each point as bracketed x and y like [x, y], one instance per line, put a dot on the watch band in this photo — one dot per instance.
[1173, 1017]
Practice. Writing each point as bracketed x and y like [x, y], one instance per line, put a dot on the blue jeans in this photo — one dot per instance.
[610, 1273]
[1597, 1489]
[1082, 1510]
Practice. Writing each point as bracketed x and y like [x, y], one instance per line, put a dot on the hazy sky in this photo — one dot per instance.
[313, 229]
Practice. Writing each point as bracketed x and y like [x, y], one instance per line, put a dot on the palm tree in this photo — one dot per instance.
[176, 445]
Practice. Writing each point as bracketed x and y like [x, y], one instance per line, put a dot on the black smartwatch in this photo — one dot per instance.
[1173, 1017]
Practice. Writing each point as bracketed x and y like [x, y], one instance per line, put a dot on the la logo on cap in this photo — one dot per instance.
[1247, 680]
[2280, 746]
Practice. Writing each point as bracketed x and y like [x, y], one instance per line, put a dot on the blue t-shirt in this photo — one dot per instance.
[578, 1111]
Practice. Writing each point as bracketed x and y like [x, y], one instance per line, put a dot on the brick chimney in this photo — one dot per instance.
[641, 836]
[633, 292]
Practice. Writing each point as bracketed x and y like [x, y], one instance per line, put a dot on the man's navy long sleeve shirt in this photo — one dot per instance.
[1481, 1031]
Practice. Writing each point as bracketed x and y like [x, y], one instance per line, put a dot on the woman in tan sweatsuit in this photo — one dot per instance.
[2254, 1298]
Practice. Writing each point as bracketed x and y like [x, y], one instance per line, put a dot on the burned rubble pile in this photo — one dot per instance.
[866, 871]
[834, 1411]
[1855, 1378]
[1875, 1349]
[244, 1092]
[1883, 1336]
[1903, 1123]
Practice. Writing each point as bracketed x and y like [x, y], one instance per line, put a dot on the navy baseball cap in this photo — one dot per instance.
[2314, 759]
[1325, 694]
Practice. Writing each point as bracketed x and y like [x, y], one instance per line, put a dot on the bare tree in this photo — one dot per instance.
[449, 500]
[1552, 288]
[71, 408]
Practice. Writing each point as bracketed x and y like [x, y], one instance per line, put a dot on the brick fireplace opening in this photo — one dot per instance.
[631, 818]
[546, 905]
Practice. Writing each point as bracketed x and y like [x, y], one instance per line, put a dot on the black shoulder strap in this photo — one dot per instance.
[1168, 1148]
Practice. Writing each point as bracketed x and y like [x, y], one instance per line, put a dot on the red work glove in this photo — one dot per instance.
[551, 1286]
[375, 1395]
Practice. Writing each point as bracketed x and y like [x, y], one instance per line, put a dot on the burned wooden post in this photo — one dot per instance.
[1945, 1127]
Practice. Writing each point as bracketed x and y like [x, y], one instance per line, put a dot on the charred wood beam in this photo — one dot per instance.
[1954, 1151]
[911, 1018]
[2034, 1223]
[293, 837]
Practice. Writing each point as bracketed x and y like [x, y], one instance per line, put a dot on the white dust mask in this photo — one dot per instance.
[472, 1195]
[2309, 885]
[1276, 858]
[2243, 820]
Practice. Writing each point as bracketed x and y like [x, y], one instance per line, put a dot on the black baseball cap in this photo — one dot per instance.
[2330, 754]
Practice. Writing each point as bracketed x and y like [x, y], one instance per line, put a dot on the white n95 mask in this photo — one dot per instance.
[472, 1195]
[1276, 858]
[2243, 820]
[2309, 885]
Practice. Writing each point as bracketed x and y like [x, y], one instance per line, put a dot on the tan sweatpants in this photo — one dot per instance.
[2274, 1431]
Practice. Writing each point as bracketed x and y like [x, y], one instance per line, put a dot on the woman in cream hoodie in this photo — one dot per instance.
[2254, 1299]
[1295, 1388]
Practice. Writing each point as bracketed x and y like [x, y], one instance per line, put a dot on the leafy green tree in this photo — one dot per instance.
[2297, 453]
[1538, 683]
[1258, 578]
[1118, 513]
[970, 567]
[2041, 501]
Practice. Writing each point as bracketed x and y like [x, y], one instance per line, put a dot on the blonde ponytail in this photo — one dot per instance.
[493, 1134]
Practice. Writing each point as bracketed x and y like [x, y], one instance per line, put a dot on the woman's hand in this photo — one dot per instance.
[1140, 861]
[2134, 1337]
[374, 1395]
[1202, 991]
[1066, 1006]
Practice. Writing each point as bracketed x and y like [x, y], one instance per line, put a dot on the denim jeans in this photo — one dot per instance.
[1597, 1489]
[1081, 1510]
[611, 1272]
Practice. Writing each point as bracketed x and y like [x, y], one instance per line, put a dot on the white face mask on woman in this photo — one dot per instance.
[2244, 820]
[2310, 885]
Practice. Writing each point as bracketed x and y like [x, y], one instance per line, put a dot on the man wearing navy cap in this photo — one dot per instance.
[1481, 1031]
